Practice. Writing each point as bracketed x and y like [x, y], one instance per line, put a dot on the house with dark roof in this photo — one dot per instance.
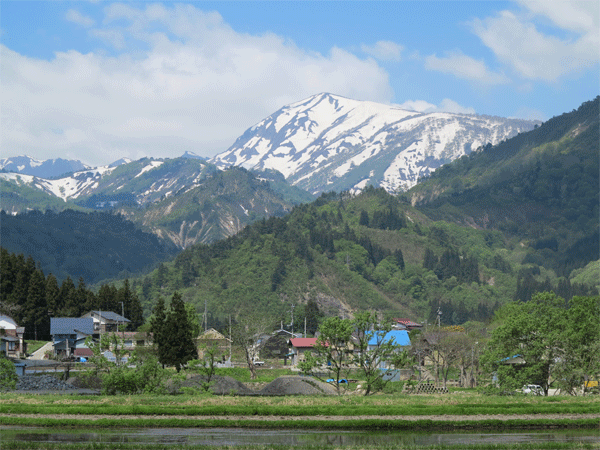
[106, 321]
[12, 343]
[69, 335]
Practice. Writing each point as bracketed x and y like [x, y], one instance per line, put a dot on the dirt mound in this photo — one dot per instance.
[228, 385]
[294, 385]
[288, 385]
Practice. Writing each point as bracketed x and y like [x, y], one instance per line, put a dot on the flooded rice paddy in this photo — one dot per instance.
[216, 437]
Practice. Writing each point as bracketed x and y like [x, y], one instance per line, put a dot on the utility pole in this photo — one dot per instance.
[123, 317]
[205, 316]
[293, 318]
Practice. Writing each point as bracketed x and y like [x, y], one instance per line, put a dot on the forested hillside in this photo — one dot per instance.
[539, 188]
[92, 246]
[347, 253]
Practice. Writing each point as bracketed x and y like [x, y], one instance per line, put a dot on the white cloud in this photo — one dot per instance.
[78, 18]
[464, 67]
[446, 105]
[383, 50]
[185, 80]
[517, 42]
[578, 16]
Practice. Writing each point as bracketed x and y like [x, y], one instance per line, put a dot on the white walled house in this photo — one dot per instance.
[12, 343]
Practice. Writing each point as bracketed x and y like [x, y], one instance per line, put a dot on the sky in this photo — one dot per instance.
[98, 80]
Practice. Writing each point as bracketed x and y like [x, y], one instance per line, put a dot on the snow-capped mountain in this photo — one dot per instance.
[138, 181]
[50, 168]
[331, 143]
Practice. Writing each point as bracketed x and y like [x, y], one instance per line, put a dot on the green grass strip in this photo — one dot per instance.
[299, 410]
[350, 424]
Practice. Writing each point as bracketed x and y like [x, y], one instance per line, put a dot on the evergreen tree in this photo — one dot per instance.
[106, 300]
[35, 305]
[313, 316]
[430, 261]
[8, 271]
[180, 344]
[68, 294]
[159, 331]
[84, 298]
[52, 296]
[399, 259]
[364, 218]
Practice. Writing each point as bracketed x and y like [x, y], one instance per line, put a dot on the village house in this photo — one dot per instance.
[12, 343]
[132, 339]
[397, 337]
[212, 337]
[69, 335]
[299, 346]
[106, 321]
[406, 324]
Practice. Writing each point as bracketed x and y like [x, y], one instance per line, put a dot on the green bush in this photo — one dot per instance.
[147, 378]
[8, 374]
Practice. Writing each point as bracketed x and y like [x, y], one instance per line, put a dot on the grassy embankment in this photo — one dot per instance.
[304, 412]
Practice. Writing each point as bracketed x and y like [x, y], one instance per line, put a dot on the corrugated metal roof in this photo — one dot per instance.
[303, 342]
[71, 325]
[407, 322]
[109, 315]
[400, 337]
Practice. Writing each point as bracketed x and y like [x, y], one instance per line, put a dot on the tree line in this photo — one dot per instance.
[32, 298]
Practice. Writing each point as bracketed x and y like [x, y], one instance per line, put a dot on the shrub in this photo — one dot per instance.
[8, 374]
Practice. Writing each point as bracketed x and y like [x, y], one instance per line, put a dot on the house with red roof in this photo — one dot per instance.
[406, 324]
[298, 346]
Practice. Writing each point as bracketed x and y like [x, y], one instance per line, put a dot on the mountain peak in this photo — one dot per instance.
[329, 142]
[119, 162]
[191, 155]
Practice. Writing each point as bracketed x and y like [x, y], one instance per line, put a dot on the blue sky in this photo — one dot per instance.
[97, 81]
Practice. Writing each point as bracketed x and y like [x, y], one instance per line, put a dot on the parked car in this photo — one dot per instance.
[533, 389]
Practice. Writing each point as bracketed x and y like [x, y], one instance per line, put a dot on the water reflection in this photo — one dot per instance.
[234, 436]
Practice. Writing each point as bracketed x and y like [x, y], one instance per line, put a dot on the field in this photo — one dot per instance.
[460, 410]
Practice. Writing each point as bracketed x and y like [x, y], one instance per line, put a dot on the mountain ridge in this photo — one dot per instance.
[328, 142]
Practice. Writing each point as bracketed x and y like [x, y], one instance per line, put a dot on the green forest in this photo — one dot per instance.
[93, 246]
[32, 298]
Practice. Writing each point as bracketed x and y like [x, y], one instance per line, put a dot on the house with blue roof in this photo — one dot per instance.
[69, 335]
[397, 337]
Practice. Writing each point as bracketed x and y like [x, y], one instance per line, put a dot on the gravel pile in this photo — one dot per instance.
[288, 385]
[42, 383]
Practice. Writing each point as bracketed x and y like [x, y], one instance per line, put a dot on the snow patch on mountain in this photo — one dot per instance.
[328, 141]
[150, 166]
